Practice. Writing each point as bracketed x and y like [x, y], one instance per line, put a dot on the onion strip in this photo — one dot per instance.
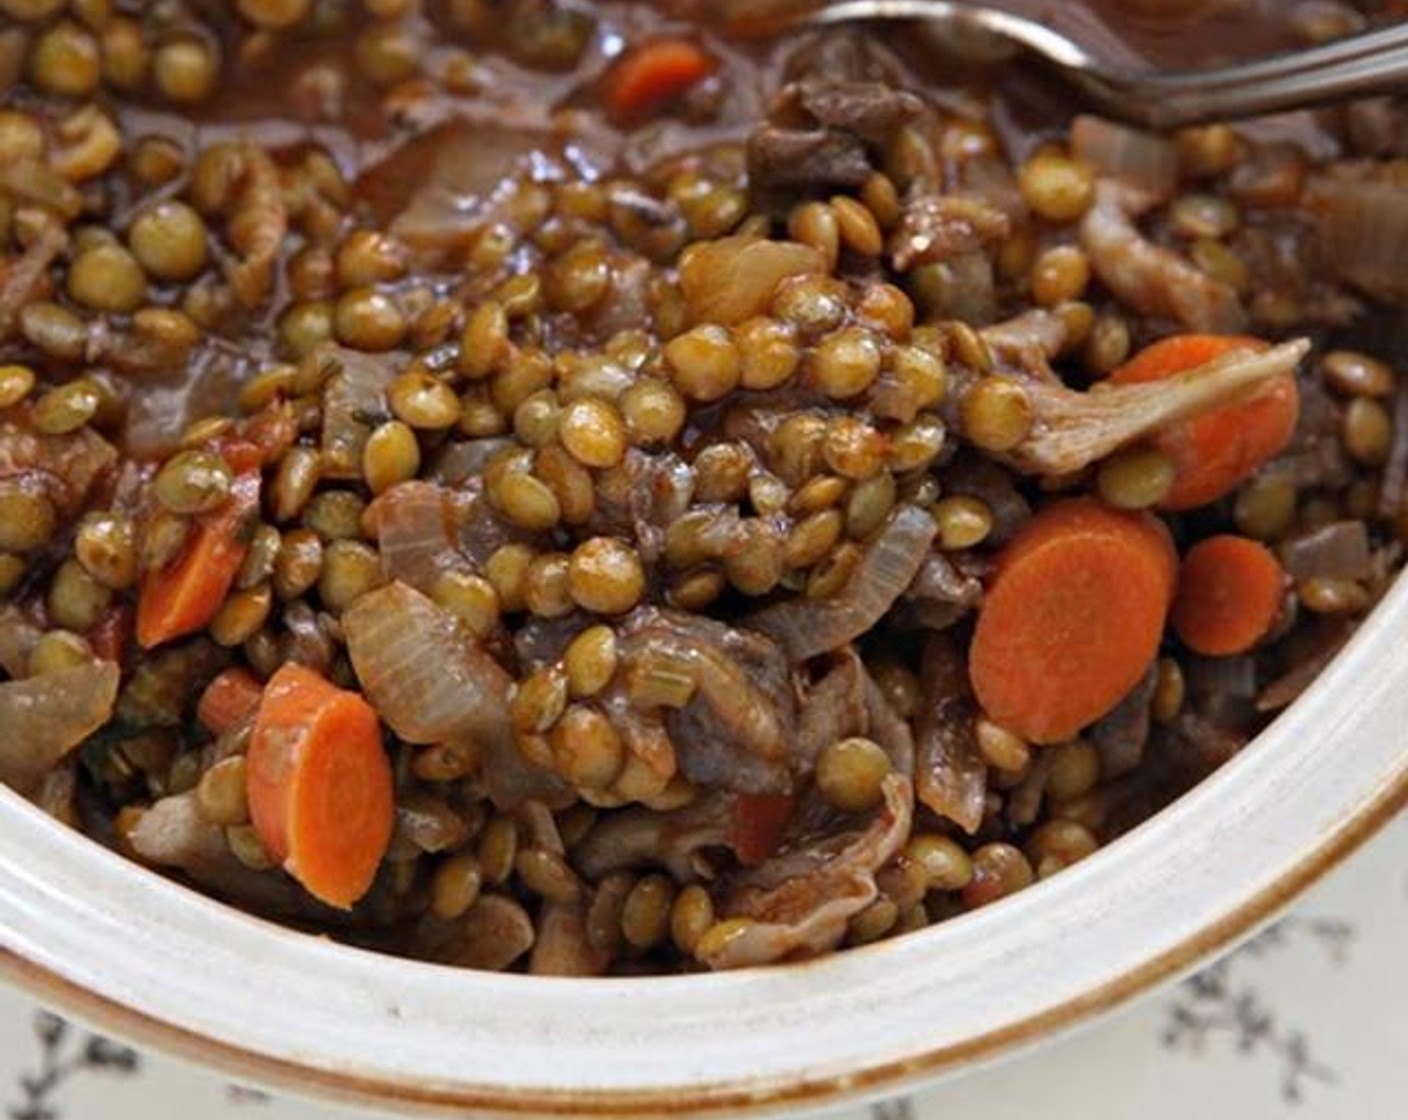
[806, 628]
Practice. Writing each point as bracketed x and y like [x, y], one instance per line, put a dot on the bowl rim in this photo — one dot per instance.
[1351, 716]
[52, 988]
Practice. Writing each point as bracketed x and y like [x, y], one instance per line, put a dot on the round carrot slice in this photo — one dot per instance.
[1229, 595]
[1072, 618]
[654, 74]
[1216, 452]
[319, 784]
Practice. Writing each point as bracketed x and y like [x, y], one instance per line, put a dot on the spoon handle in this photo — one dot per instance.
[1374, 62]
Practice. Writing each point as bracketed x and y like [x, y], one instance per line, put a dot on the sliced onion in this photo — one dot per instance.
[21, 278]
[1141, 160]
[416, 532]
[806, 628]
[1366, 231]
[887, 728]
[801, 902]
[562, 947]
[462, 460]
[426, 677]
[436, 190]
[353, 400]
[1339, 550]
[950, 776]
[45, 717]
[17, 637]
[733, 279]
[172, 833]
[834, 709]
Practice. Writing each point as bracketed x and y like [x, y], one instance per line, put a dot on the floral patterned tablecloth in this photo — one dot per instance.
[1308, 1020]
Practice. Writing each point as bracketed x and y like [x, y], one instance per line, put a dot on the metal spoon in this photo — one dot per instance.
[1374, 62]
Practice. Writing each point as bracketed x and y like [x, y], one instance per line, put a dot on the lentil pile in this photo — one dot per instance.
[572, 487]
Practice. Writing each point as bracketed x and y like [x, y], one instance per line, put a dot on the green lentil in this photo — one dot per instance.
[851, 773]
[391, 455]
[76, 599]
[193, 482]
[590, 661]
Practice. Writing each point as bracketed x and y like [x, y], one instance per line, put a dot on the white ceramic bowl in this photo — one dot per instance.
[146, 958]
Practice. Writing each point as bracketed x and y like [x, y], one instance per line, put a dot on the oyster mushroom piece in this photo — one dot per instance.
[1074, 429]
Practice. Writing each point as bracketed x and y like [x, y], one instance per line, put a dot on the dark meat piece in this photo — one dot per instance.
[738, 729]
[641, 498]
[820, 133]
[1316, 457]
[1024, 802]
[983, 479]
[1120, 736]
[796, 159]
[870, 111]
[1308, 659]
[638, 837]
[941, 594]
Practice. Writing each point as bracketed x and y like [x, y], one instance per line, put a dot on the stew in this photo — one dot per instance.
[530, 484]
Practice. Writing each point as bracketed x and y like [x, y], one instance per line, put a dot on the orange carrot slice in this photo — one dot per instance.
[654, 74]
[1072, 618]
[1219, 450]
[1229, 595]
[229, 700]
[319, 784]
[186, 594]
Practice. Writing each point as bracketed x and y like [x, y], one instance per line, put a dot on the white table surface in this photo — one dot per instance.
[1307, 1021]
